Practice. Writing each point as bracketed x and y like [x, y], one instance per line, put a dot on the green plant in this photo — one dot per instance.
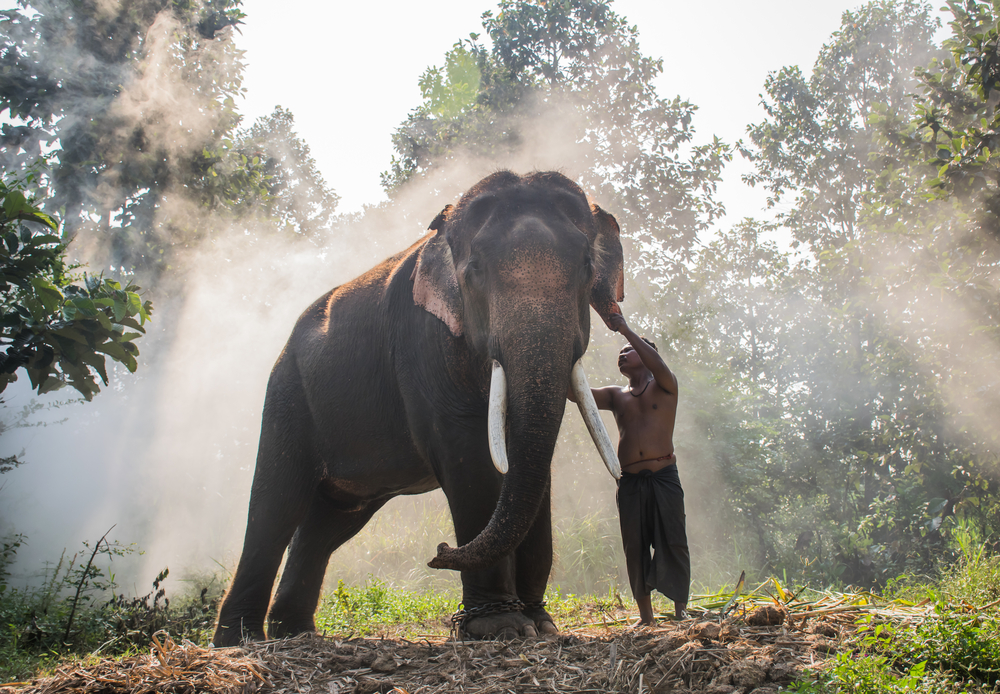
[956, 649]
[131, 622]
[366, 609]
[57, 331]
[75, 611]
[8, 552]
[866, 675]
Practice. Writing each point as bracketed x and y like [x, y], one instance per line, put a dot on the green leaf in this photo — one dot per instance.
[72, 334]
[52, 383]
[46, 220]
[36, 308]
[120, 310]
[114, 350]
[936, 506]
[84, 305]
[13, 243]
[47, 293]
[134, 304]
[97, 362]
[15, 203]
[105, 322]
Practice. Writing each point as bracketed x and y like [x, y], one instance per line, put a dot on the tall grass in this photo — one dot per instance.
[954, 651]
[396, 545]
[76, 609]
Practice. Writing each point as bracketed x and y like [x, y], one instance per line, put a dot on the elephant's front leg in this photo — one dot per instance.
[533, 564]
[490, 596]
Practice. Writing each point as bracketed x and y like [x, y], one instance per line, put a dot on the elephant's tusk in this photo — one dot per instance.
[588, 408]
[497, 419]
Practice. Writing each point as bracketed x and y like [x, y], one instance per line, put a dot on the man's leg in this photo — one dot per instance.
[680, 611]
[636, 546]
[645, 603]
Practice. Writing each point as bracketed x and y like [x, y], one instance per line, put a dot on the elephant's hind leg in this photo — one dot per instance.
[325, 528]
[269, 531]
[284, 484]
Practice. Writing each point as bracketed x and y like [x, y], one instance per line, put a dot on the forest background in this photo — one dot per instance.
[838, 354]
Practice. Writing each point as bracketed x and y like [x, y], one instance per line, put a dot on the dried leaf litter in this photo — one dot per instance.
[710, 656]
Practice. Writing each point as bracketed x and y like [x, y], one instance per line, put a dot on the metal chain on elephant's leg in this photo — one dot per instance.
[462, 617]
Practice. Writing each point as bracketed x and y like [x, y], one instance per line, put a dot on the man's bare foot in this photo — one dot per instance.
[680, 611]
[645, 604]
[643, 623]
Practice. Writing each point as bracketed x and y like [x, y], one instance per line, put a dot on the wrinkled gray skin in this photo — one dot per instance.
[382, 390]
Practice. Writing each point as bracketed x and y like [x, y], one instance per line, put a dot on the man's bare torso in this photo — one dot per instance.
[645, 427]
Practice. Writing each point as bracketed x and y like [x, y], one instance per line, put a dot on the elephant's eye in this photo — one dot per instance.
[473, 271]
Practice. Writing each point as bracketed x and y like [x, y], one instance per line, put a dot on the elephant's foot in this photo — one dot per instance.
[234, 628]
[507, 625]
[234, 636]
[544, 623]
[290, 627]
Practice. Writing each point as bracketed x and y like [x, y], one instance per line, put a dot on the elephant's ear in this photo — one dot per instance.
[435, 285]
[609, 265]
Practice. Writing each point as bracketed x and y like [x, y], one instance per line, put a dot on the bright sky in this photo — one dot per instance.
[348, 71]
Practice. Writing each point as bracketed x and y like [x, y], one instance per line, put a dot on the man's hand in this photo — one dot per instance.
[617, 322]
[650, 358]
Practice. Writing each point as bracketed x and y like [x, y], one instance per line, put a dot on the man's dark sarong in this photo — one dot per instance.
[651, 510]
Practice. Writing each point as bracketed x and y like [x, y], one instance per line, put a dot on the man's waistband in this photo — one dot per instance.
[669, 456]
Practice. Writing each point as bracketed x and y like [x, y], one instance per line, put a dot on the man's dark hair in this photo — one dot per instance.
[650, 343]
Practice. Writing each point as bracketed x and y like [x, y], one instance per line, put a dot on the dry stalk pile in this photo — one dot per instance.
[762, 645]
[169, 668]
[697, 657]
[687, 657]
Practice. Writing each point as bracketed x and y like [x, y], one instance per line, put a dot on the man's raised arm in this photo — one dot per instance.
[651, 359]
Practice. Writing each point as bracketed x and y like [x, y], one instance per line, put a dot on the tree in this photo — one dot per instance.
[58, 331]
[296, 196]
[577, 64]
[817, 143]
[133, 102]
[936, 209]
[956, 124]
[866, 410]
[734, 335]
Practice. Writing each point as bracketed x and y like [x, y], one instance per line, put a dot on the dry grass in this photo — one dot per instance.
[689, 656]
[169, 667]
[760, 646]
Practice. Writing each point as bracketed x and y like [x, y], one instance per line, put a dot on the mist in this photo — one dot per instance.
[166, 455]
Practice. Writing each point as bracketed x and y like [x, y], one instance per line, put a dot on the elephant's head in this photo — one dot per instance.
[512, 269]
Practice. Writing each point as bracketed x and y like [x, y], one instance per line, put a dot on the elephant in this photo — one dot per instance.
[447, 365]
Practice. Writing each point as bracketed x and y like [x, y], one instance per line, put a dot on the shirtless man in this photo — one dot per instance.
[650, 498]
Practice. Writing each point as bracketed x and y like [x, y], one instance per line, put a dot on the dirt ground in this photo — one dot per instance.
[754, 653]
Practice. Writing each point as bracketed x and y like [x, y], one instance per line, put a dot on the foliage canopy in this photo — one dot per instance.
[57, 330]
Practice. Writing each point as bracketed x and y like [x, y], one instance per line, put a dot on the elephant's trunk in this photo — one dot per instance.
[536, 400]
[497, 419]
